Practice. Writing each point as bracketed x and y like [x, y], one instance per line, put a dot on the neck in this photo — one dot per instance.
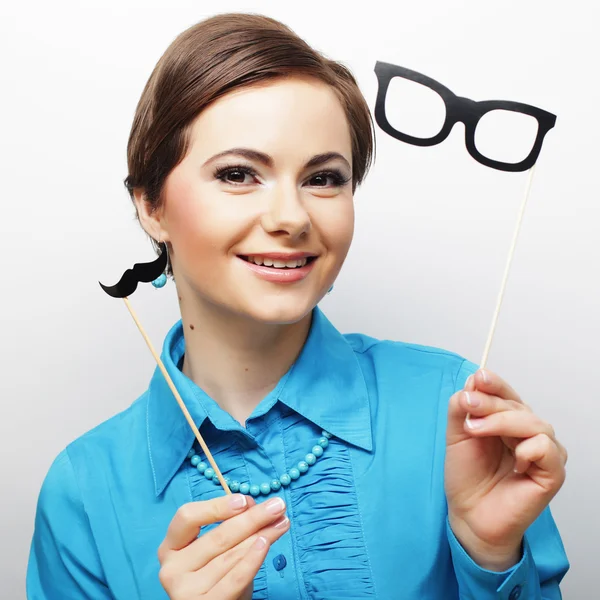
[237, 361]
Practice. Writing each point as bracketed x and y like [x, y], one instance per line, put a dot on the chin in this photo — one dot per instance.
[280, 310]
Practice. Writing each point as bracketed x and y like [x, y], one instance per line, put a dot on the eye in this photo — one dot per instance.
[234, 174]
[336, 177]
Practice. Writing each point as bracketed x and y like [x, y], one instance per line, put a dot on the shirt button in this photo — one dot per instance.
[515, 593]
[279, 563]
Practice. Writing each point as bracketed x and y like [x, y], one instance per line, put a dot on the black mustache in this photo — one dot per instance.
[141, 272]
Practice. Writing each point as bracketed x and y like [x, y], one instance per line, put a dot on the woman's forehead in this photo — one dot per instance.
[284, 114]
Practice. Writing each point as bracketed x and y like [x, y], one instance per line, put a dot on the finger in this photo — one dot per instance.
[509, 423]
[219, 566]
[229, 534]
[544, 453]
[491, 383]
[242, 575]
[479, 404]
[563, 450]
[475, 404]
[470, 383]
[189, 518]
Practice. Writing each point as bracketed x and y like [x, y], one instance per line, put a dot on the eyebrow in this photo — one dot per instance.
[267, 160]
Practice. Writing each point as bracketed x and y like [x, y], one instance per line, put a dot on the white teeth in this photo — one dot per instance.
[278, 264]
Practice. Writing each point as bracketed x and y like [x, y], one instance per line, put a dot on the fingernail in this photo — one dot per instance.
[282, 523]
[260, 543]
[238, 501]
[469, 381]
[275, 506]
[485, 375]
[472, 400]
[474, 423]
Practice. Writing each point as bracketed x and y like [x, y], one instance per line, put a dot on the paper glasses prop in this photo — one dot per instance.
[470, 113]
[147, 272]
[458, 109]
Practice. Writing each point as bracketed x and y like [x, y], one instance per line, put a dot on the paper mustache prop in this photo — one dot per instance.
[141, 272]
[147, 272]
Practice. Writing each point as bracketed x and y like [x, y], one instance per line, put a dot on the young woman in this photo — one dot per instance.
[356, 472]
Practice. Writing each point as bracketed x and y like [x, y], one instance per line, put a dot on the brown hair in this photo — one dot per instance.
[208, 60]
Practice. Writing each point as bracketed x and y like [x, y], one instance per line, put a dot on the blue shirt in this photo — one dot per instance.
[368, 520]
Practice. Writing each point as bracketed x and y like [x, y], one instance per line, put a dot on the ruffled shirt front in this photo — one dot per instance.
[368, 519]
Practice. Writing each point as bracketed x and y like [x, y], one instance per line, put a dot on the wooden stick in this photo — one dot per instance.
[182, 406]
[506, 273]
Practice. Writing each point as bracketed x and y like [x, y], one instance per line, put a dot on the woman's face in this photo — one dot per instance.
[260, 231]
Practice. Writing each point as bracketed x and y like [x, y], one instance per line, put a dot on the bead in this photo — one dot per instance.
[311, 459]
[275, 484]
[160, 281]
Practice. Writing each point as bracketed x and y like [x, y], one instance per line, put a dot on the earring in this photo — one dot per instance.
[161, 280]
[330, 290]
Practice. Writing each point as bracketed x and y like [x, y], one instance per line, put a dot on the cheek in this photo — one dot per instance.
[335, 223]
[203, 229]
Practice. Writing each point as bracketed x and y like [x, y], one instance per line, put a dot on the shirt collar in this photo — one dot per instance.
[325, 385]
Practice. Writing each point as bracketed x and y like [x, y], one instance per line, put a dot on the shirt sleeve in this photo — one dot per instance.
[536, 576]
[63, 560]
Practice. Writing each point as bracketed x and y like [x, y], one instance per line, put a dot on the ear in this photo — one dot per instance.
[149, 219]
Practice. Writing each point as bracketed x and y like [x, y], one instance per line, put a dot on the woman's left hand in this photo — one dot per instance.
[489, 504]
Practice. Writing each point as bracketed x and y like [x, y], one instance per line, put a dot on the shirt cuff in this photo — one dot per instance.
[477, 583]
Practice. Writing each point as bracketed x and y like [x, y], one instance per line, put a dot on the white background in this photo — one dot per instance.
[433, 226]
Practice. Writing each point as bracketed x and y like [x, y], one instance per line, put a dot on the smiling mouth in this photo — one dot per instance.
[279, 263]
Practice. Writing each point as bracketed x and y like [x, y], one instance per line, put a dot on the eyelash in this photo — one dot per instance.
[220, 172]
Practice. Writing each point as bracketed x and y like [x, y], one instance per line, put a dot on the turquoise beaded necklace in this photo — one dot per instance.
[275, 484]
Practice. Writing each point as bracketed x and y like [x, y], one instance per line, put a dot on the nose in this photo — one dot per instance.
[286, 214]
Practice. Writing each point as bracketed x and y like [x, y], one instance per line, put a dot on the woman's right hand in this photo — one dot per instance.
[222, 563]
